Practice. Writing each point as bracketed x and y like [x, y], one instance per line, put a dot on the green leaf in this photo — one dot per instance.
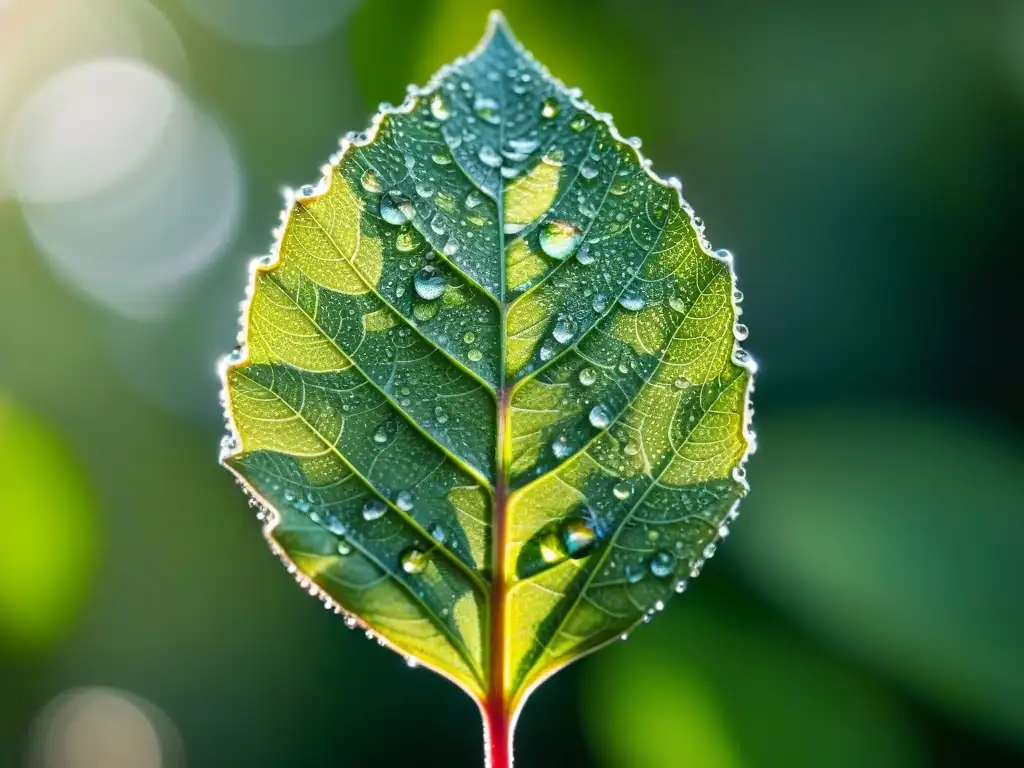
[490, 393]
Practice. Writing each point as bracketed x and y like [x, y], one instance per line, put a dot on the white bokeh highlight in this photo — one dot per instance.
[270, 23]
[127, 188]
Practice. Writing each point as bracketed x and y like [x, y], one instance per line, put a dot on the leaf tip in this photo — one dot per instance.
[498, 29]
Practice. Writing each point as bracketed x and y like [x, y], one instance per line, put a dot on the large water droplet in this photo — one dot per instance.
[600, 302]
[428, 282]
[622, 490]
[381, 435]
[425, 189]
[565, 329]
[489, 156]
[370, 182]
[487, 110]
[558, 239]
[663, 564]
[634, 572]
[550, 108]
[475, 355]
[677, 304]
[438, 533]
[374, 509]
[413, 560]
[634, 302]
[584, 256]
[551, 548]
[404, 501]
[438, 108]
[599, 416]
[588, 376]
[396, 209]
[473, 200]
[523, 146]
[561, 448]
[578, 538]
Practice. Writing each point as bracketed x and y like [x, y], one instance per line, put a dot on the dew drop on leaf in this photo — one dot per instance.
[404, 501]
[634, 302]
[396, 209]
[584, 256]
[487, 110]
[599, 417]
[489, 156]
[634, 572]
[413, 560]
[565, 329]
[578, 538]
[438, 108]
[558, 239]
[622, 490]
[560, 447]
[588, 376]
[549, 108]
[428, 282]
[475, 355]
[374, 509]
[370, 182]
[663, 564]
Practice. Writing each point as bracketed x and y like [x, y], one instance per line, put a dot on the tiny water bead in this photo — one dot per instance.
[599, 417]
[396, 209]
[475, 355]
[587, 377]
[558, 239]
[663, 564]
[374, 509]
[469, 337]
[438, 533]
[438, 108]
[370, 182]
[404, 501]
[413, 560]
[549, 109]
[428, 282]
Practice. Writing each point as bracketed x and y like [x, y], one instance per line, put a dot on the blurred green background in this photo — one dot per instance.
[864, 160]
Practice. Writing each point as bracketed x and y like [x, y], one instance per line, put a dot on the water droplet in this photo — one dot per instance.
[681, 383]
[551, 548]
[475, 355]
[344, 548]
[578, 538]
[374, 509]
[561, 448]
[579, 123]
[663, 564]
[634, 302]
[565, 329]
[741, 331]
[438, 533]
[631, 449]
[473, 200]
[523, 146]
[584, 256]
[487, 110]
[425, 189]
[438, 108]
[451, 247]
[558, 239]
[621, 186]
[600, 302]
[588, 376]
[370, 182]
[554, 157]
[428, 282]
[622, 490]
[439, 224]
[413, 560]
[550, 108]
[396, 209]
[441, 158]
[588, 172]
[404, 501]
[677, 304]
[406, 241]
[489, 156]
[381, 435]
[469, 337]
[600, 417]
[634, 572]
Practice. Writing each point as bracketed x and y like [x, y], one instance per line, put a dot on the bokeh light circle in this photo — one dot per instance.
[270, 23]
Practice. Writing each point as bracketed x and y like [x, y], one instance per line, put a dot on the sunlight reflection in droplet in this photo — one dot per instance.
[137, 196]
[270, 23]
[96, 727]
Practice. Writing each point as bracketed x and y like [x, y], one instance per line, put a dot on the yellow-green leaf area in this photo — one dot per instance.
[490, 397]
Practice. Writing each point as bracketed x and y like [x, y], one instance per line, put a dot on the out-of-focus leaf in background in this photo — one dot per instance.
[897, 536]
[48, 531]
[701, 688]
